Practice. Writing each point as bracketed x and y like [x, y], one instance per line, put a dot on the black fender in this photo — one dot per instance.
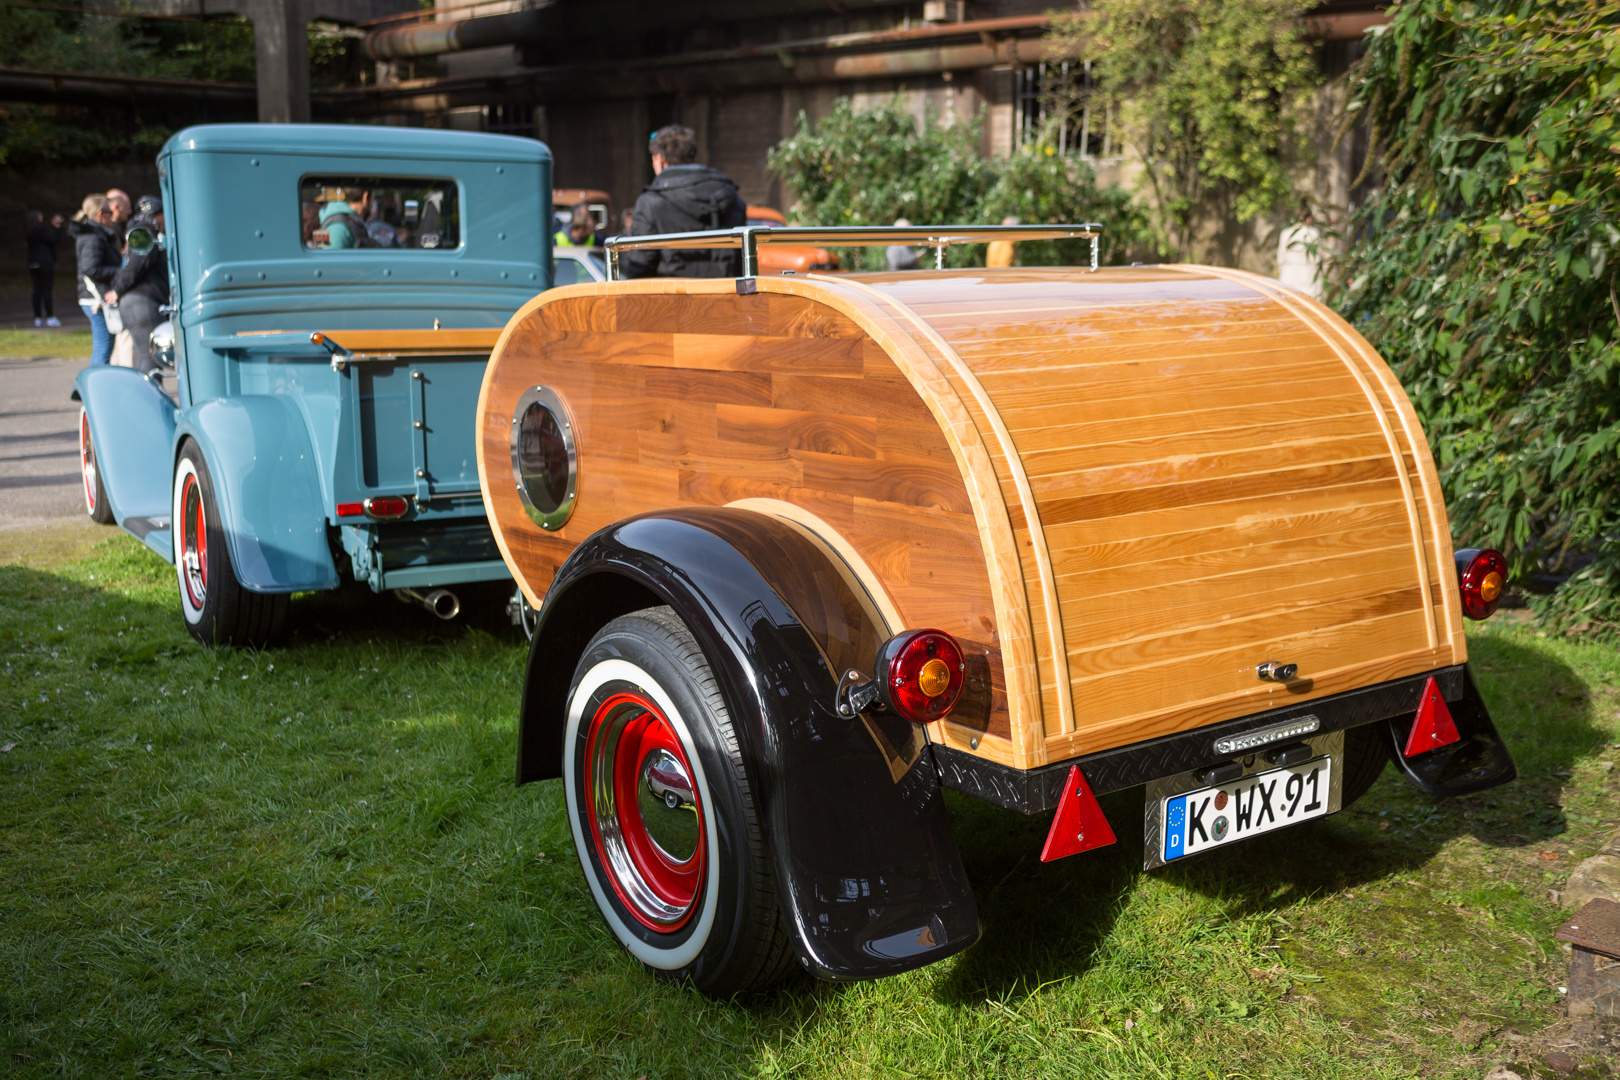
[1478, 760]
[869, 876]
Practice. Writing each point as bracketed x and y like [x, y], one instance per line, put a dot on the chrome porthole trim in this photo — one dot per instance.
[545, 508]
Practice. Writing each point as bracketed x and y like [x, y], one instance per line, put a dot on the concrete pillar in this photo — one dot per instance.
[281, 45]
[281, 41]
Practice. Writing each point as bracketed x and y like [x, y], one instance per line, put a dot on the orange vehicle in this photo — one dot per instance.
[775, 258]
[807, 550]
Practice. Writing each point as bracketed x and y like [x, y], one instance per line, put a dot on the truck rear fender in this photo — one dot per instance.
[131, 429]
[268, 484]
[868, 873]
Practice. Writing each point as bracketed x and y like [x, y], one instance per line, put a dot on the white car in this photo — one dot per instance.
[577, 264]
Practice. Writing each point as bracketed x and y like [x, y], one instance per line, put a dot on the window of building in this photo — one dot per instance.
[1062, 95]
[340, 212]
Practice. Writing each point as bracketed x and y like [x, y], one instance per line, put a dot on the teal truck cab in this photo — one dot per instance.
[336, 294]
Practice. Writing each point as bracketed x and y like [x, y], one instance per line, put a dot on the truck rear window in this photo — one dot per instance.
[341, 212]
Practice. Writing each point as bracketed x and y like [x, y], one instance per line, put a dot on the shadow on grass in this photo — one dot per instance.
[1045, 922]
[354, 610]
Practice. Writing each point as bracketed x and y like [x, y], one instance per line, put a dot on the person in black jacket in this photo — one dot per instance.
[96, 246]
[684, 197]
[142, 286]
[42, 264]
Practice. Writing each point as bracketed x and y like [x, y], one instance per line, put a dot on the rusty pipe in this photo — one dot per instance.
[431, 39]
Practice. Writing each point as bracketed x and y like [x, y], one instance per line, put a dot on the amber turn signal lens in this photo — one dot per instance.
[934, 678]
[921, 674]
[1481, 577]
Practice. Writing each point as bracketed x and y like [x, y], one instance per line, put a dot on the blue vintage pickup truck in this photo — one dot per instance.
[337, 292]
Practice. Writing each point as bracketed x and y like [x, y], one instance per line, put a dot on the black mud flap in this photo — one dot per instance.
[1478, 760]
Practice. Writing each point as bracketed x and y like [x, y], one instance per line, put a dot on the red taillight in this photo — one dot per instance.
[386, 507]
[922, 673]
[1482, 576]
[350, 509]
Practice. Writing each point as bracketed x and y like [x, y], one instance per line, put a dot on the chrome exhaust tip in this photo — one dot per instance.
[442, 602]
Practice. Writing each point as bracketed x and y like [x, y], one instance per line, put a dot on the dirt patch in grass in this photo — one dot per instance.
[312, 861]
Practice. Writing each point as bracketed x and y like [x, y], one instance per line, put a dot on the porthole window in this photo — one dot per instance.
[544, 462]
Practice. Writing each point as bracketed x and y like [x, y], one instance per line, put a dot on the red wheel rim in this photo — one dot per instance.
[646, 811]
[192, 534]
[87, 461]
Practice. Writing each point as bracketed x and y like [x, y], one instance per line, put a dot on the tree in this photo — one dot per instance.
[869, 167]
[1485, 272]
[1209, 95]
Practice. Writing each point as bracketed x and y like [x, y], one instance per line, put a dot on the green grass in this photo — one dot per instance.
[69, 344]
[312, 862]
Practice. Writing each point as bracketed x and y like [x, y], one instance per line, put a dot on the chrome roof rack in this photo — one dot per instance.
[938, 237]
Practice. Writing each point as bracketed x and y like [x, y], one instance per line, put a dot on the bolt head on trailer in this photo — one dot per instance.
[808, 549]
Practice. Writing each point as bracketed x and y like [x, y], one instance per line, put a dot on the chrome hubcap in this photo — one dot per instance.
[668, 808]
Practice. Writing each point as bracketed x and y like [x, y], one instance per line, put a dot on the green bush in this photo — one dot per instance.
[1213, 96]
[1483, 270]
[869, 167]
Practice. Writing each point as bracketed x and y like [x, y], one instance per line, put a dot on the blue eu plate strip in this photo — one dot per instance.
[1175, 827]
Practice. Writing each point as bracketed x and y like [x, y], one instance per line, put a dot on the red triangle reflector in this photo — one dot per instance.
[1433, 727]
[1079, 824]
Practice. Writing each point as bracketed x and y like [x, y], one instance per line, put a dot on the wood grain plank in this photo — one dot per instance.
[928, 485]
[1215, 602]
[1051, 450]
[1191, 469]
[1254, 517]
[878, 397]
[1230, 673]
[1184, 646]
[722, 352]
[678, 313]
[1134, 721]
[721, 387]
[1138, 418]
[1267, 370]
[1190, 570]
[832, 434]
[1120, 503]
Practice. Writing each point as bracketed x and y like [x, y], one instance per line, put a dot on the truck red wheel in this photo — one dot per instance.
[191, 543]
[218, 610]
[663, 819]
[95, 496]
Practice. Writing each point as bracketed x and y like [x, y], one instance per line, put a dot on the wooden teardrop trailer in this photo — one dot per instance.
[1174, 527]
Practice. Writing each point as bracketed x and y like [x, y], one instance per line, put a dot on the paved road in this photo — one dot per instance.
[39, 442]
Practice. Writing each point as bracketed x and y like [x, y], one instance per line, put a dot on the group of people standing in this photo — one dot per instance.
[121, 287]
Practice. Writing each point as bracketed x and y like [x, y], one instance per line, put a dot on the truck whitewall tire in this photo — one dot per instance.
[217, 609]
[95, 494]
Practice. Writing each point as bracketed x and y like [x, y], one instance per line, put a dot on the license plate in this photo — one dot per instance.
[1210, 817]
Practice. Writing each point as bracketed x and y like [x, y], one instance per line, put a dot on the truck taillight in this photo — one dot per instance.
[921, 673]
[386, 507]
[1482, 576]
